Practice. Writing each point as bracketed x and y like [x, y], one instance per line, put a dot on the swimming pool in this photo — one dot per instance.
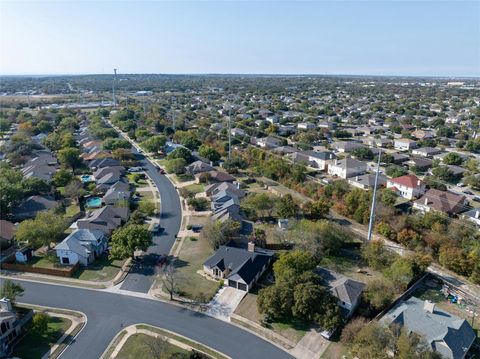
[87, 178]
[94, 202]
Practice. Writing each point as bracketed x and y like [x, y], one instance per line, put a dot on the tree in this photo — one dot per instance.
[116, 143]
[292, 264]
[308, 300]
[372, 342]
[218, 233]
[286, 207]
[147, 207]
[276, 301]
[388, 197]
[128, 239]
[69, 157]
[11, 290]
[35, 185]
[40, 322]
[74, 190]
[329, 317]
[376, 255]
[318, 209]
[181, 152]
[47, 227]
[379, 293]
[258, 205]
[209, 153]
[472, 181]
[363, 153]
[395, 171]
[453, 158]
[191, 142]
[170, 280]
[176, 165]
[351, 330]
[154, 144]
[61, 178]
[400, 272]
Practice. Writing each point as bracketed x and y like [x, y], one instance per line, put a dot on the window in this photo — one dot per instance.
[65, 260]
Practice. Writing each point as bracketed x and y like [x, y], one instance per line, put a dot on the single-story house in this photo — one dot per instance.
[441, 201]
[214, 176]
[426, 151]
[105, 219]
[268, 142]
[367, 181]
[346, 146]
[198, 167]
[34, 204]
[420, 164]
[240, 268]
[444, 333]
[103, 162]
[473, 216]
[119, 191]
[404, 144]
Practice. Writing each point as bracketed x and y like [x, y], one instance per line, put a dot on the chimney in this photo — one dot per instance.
[426, 201]
[428, 306]
[251, 246]
[331, 156]
[336, 161]
[5, 305]
[238, 185]
[477, 214]
[419, 183]
[356, 178]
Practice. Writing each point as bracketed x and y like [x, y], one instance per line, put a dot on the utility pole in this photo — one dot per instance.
[230, 133]
[374, 200]
[173, 114]
[113, 87]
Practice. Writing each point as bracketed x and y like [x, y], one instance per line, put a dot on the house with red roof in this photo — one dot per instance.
[408, 186]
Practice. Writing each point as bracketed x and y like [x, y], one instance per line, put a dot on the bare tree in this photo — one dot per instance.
[156, 346]
[170, 280]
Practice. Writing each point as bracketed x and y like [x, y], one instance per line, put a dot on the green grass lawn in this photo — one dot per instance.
[184, 177]
[145, 346]
[103, 269]
[191, 258]
[35, 345]
[42, 262]
[336, 350]
[72, 210]
[196, 188]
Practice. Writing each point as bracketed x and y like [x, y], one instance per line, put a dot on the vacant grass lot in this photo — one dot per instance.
[34, 345]
[139, 346]
[103, 269]
[191, 258]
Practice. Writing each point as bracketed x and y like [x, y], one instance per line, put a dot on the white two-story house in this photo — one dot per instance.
[408, 186]
[346, 168]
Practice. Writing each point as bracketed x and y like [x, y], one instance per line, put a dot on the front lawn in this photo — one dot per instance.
[146, 346]
[103, 269]
[196, 188]
[44, 262]
[34, 345]
[190, 260]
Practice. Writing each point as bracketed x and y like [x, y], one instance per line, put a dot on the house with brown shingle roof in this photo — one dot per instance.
[440, 201]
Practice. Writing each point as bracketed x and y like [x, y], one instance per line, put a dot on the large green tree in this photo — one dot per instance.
[47, 227]
[128, 239]
[69, 157]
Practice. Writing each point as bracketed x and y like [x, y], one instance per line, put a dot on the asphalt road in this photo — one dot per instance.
[108, 313]
[141, 276]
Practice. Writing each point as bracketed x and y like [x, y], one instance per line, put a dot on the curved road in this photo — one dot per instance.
[108, 313]
[141, 276]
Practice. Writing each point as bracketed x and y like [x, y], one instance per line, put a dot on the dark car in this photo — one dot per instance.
[469, 192]
[161, 171]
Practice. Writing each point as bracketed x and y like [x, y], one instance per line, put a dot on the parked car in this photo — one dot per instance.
[135, 169]
[156, 228]
[476, 198]
[469, 192]
[161, 171]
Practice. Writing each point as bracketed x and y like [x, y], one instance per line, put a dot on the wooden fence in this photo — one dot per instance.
[61, 272]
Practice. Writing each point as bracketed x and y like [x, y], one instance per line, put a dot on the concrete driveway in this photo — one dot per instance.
[225, 302]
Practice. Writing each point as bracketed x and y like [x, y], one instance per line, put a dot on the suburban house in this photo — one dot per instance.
[399, 158]
[268, 142]
[103, 162]
[240, 268]
[441, 201]
[346, 146]
[107, 176]
[321, 159]
[420, 164]
[423, 134]
[214, 176]
[119, 191]
[408, 186]
[214, 188]
[105, 219]
[404, 144]
[198, 167]
[348, 291]
[445, 333]
[367, 181]
[43, 172]
[473, 216]
[81, 246]
[426, 151]
[237, 132]
[11, 326]
[348, 167]
[7, 232]
[34, 204]
[305, 126]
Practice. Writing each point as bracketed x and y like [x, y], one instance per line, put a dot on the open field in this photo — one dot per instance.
[192, 255]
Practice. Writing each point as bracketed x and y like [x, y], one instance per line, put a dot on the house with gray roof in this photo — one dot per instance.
[119, 191]
[81, 246]
[34, 204]
[240, 268]
[346, 168]
[367, 181]
[320, 160]
[105, 219]
[234, 188]
[198, 167]
[445, 333]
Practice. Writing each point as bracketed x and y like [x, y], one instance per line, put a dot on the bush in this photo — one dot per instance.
[189, 226]
[198, 204]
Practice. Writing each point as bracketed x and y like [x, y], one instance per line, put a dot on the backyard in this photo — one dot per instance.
[193, 253]
[34, 344]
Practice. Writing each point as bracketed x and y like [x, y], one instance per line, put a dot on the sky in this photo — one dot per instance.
[414, 38]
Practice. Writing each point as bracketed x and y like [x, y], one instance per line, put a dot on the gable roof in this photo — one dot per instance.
[437, 327]
[35, 204]
[7, 229]
[348, 163]
[409, 180]
[348, 291]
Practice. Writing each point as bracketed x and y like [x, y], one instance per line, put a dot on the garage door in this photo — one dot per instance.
[232, 283]
[242, 286]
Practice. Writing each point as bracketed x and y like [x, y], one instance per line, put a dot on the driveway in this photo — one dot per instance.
[225, 302]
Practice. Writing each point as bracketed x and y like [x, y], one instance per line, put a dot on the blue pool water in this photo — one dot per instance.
[86, 178]
[94, 202]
